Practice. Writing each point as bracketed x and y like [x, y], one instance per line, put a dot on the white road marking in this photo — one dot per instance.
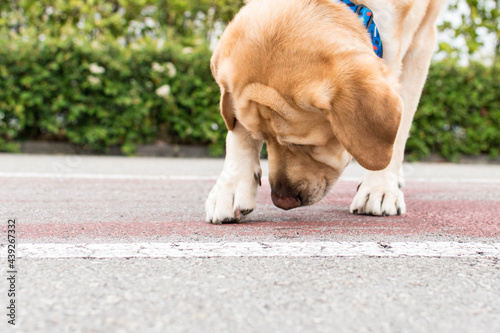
[195, 178]
[438, 180]
[102, 176]
[255, 249]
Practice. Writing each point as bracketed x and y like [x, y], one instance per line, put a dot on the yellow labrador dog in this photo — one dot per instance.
[308, 77]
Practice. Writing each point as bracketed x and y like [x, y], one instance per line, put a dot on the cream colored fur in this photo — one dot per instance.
[301, 75]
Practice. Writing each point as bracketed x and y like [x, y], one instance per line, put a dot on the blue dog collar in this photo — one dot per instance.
[366, 16]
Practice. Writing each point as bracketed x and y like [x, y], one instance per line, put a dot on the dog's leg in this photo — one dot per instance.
[233, 196]
[379, 192]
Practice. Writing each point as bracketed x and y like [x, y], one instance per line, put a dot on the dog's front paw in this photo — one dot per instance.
[232, 197]
[379, 194]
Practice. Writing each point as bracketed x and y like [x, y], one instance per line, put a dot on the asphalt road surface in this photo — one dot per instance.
[113, 244]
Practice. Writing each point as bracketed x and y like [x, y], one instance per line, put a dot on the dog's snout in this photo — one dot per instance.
[285, 199]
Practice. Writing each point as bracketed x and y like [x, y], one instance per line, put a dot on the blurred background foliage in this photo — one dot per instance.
[459, 111]
[101, 73]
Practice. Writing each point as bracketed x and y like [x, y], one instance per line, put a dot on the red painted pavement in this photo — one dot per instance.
[64, 210]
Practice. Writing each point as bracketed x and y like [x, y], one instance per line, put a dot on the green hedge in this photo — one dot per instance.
[459, 113]
[98, 96]
[98, 73]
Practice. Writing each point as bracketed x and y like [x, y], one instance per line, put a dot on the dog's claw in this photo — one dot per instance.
[258, 178]
[246, 211]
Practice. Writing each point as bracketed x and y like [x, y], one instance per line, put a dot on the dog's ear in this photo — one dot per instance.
[227, 108]
[365, 113]
[226, 99]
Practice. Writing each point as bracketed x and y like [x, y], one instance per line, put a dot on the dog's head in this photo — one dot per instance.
[303, 78]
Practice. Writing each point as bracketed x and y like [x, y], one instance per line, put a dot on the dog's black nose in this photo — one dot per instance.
[284, 200]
